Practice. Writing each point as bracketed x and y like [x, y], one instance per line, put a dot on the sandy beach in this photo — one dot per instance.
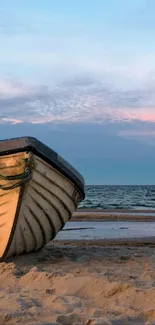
[85, 282]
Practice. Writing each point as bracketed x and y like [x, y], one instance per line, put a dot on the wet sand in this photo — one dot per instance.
[113, 215]
[108, 231]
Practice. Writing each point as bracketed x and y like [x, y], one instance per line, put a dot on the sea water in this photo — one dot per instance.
[119, 197]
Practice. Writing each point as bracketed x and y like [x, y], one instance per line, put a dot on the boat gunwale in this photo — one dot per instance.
[26, 143]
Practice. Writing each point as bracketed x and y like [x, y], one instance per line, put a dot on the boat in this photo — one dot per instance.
[39, 191]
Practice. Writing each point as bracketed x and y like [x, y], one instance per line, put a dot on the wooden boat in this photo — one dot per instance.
[39, 191]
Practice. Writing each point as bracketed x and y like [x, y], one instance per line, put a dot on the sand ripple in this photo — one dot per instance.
[79, 285]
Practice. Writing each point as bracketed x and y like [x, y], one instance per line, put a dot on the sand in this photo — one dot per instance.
[84, 282]
[79, 284]
[113, 215]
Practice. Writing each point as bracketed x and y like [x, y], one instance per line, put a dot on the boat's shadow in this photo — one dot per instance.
[58, 254]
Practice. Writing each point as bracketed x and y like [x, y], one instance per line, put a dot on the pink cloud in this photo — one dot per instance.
[133, 133]
[147, 116]
[134, 113]
[39, 104]
[11, 120]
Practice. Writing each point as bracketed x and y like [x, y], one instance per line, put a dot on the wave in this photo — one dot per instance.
[119, 197]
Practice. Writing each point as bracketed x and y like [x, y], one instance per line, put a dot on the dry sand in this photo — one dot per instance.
[79, 284]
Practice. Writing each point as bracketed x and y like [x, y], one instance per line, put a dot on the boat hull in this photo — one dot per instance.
[32, 214]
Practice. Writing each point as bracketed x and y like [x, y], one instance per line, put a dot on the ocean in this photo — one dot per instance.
[119, 197]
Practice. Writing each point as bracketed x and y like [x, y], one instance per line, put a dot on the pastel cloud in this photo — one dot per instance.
[76, 100]
[141, 114]
[14, 89]
[135, 133]
[148, 116]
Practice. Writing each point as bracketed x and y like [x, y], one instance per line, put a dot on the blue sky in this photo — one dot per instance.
[113, 37]
[69, 68]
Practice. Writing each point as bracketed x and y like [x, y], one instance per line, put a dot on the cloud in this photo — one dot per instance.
[11, 120]
[13, 89]
[82, 99]
[139, 133]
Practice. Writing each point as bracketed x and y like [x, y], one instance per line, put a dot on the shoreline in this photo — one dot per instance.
[107, 233]
[113, 215]
[114, 210]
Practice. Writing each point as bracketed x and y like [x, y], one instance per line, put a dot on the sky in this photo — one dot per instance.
[80, 76]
